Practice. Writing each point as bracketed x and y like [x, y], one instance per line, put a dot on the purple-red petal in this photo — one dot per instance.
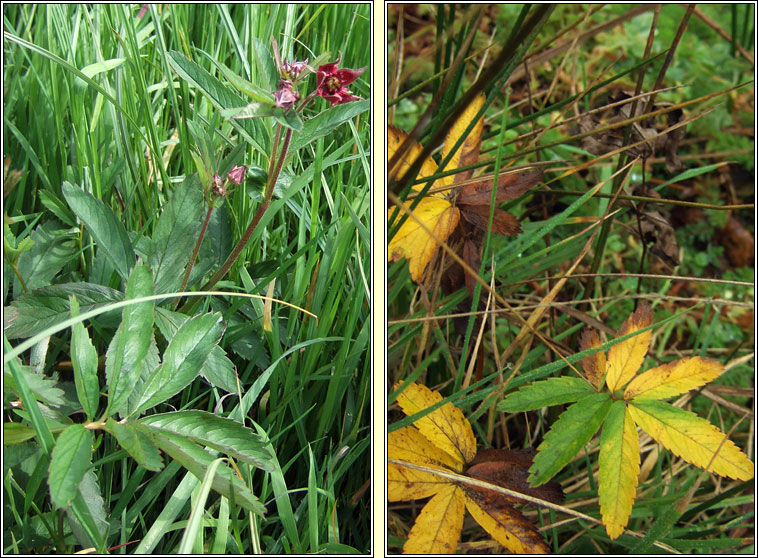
[348, 76]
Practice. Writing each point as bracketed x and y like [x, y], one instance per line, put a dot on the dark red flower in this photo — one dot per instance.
[332, 82]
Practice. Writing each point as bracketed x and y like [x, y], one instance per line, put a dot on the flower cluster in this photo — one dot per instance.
[331, 83]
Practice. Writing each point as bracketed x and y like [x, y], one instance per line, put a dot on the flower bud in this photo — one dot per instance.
[237, 174]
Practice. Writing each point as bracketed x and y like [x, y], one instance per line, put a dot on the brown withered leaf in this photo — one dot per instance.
[509, 187]
[642, 130]
[502, 222]
[657, 230]
[738, 243]
[471, 257]
[510, 469]
[473, 200]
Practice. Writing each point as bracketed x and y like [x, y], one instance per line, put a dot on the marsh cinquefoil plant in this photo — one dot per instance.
[100, 460]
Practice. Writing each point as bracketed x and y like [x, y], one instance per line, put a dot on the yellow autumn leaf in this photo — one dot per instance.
[395, 138]
[408, 444]
[507, 526]
[594, 365]
[625, 358]
[673, 378]
[413, 243]
[438, 526]
[468, 153]
[445, 427]
[693, 439]
[444, 440]
[619, 469]
[435, 212]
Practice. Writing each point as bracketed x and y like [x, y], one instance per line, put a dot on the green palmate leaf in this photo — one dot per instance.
[196, 460]
[16, 372]
[87, 513]
[69, 461]
[132, 341]
[151, 361]
[16, 454]
[222, 434]
[553, 391]
[175, 235]
[183, 359]
[84, 361]
[12, 247]
[568, 435]
[692, 438]
[220, 96]
[136, 443]
[251, 110]
[619, 468]
[327, 121]
[219, 238]
[217, 369]
[107, 230]
[53, 248]
[288, 118]
[285, 117]
[266, 65]
[57, 207]
[30, 314]
[42, 387]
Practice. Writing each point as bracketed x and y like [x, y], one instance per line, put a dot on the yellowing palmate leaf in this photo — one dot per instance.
[444, 440]
[408, 444]
[693, 439]
[468, 153]
[506, 525]
[413, 243]
[445, 427]
[625, 358]
[438, 526]
[435, 212]
[395, 138]
[594, 365]
[673, 378]
[619, 469]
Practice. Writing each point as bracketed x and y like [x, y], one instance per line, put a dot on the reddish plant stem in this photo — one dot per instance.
[274, 149]
[197, 248]
[267, 193]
